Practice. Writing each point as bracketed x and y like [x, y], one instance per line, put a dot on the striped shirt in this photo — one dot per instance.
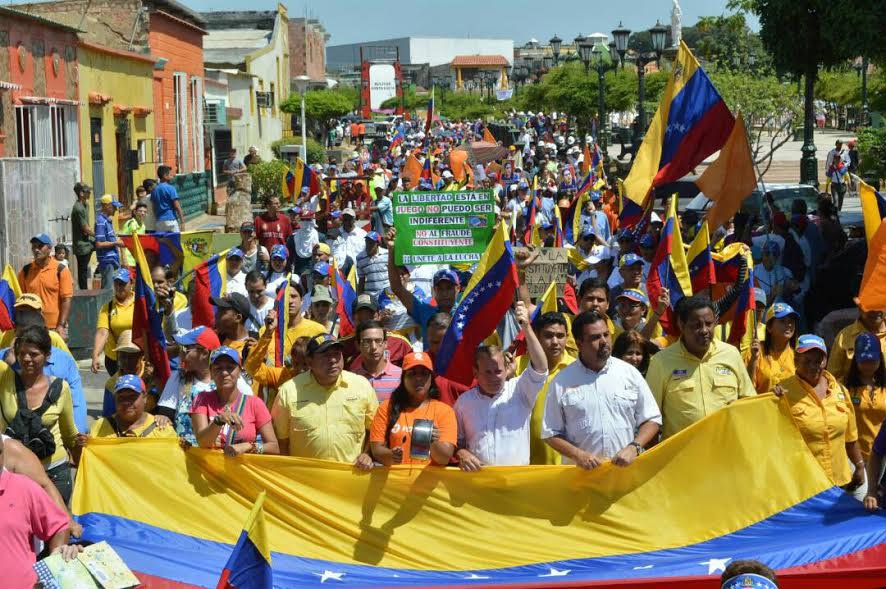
[384, 382]
[374, 270]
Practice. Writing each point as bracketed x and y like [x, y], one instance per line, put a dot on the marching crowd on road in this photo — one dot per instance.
[612, 369]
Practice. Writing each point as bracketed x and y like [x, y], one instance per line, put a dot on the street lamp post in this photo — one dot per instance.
[659, 37]
[863, 72]
[556, 42]
[301, 86]
[601, 60]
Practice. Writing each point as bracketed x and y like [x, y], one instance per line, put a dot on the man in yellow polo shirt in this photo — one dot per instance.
[822, 410]
[844, 344]
[325, 412]
[697, 375]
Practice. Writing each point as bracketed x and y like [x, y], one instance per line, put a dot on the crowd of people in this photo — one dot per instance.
[602, 378]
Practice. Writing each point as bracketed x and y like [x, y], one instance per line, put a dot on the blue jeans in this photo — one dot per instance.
[106, 271]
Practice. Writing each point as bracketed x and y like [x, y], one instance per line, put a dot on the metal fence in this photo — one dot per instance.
[32, 192]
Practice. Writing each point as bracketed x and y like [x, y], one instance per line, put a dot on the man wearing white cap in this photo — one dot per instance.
[351, 240]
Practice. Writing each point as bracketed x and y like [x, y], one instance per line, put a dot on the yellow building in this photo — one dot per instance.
[117, 137]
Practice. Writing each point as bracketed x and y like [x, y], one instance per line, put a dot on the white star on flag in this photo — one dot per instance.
[460, 325]
[648, 566]
[327, 575]
[555, 573]
[474, 577]
[716, 565]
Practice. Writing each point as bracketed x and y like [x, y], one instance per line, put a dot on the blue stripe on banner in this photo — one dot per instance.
[472, 305]
[831, 524]
[696, 98]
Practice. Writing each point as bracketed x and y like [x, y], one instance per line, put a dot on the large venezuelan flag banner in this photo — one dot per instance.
[691, 123]
[739, 484]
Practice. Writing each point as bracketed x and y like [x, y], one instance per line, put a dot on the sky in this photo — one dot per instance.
[352, 21]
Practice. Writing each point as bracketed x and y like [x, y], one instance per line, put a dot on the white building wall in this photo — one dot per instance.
[269, 66]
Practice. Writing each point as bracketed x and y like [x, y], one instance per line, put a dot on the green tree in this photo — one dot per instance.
[267, 178]
[771, 110]
[726, 43]
[316, 151]
[322, 105]
[872, 153]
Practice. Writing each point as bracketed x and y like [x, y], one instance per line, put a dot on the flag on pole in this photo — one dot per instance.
[726, 266]
[701, 264]
[281, 308]
[289, 184]
[873, 208]
[691, 123]
[872, 294]
[430, 117]
[586, 160]
[669, 269]
[345, 297]
[249, 566]
[572, 222]
[731, 178]
[210, 280]
[147, 321]
[485, 301]
[9, 292]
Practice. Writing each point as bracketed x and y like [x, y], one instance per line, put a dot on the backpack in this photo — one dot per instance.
[27, 425]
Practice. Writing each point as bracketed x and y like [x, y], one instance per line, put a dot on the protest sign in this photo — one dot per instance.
[552, 265]
[443, 227]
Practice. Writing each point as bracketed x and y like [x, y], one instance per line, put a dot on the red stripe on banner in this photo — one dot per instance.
[152, 582]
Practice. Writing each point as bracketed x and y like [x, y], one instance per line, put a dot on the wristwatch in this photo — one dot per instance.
[219, 420]
[638, 447]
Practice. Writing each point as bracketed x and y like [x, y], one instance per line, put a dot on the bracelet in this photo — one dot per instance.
[258, 447]
[859, 462]
[218, 420]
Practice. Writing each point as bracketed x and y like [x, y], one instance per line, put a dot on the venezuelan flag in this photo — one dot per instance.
[311, 181]
[298, 179]
[701, 264]
[726, 268]
[691, 123]
[572, 222]
[9, 292]
[873, 208]
[165, 247]
[533, 207]
[538, 526]
[249, 566]
[426, 174]
[147, 322]
[558, 227]
[210, 279]
[398, 139]
[289, 184]
[281, 307]
[345, 297]
[669, 269]
[484, 302]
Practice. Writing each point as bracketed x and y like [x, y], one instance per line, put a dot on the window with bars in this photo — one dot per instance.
[44, 131]
[197, 123]
[150, 151]
[180, 90]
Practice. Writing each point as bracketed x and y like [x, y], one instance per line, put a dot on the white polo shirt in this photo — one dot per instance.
[598, 412]
[496, 429]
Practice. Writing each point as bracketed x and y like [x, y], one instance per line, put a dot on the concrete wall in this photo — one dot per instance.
[307, 48]
[128, 80]
[347, 57]
[417, 50]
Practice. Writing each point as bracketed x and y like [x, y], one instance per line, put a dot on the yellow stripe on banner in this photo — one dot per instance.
[648, 157]
[869, 209]
[708, 480]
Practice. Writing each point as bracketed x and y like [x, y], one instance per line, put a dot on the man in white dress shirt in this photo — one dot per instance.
[599, 408]
[493, 417]
[351, 240]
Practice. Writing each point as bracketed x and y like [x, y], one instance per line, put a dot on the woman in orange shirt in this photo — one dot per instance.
[414, 399]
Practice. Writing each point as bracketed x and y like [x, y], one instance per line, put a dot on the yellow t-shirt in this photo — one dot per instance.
[539, 451]
[304, 328]
[58, 418]
[826, 424]
[772, 368]
[104, 428]
[843, 349]
[869, 405]
[688, 388]
[329, 423]
[116, 317]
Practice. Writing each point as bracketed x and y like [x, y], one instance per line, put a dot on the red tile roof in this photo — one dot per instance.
[479, 60]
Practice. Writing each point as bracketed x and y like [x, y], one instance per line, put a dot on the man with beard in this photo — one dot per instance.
[696, 375]
[594, 406]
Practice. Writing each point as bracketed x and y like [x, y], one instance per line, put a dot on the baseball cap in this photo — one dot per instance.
[374, 236]
[634, 295]
[321, 295]
[324, 248]
[235, 301]
[42, 238]
[199, 336]
[780, 311]
[630, 260]
[746, 580]
[771, 248]
[225, 352]
[647, 241]
[235, 252]
[760, 296]
[413, 359]
[321, 268]
[867, 347]
[107, 199]
[125, 343]
[595, 196]
[247, 226]
[810, 342]
[349, 211]
[446, 274]
[294, 210]
[122, 275]
[322, 342]
[280, 252]
[29, 299]
[129, 382]
[364, 301]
